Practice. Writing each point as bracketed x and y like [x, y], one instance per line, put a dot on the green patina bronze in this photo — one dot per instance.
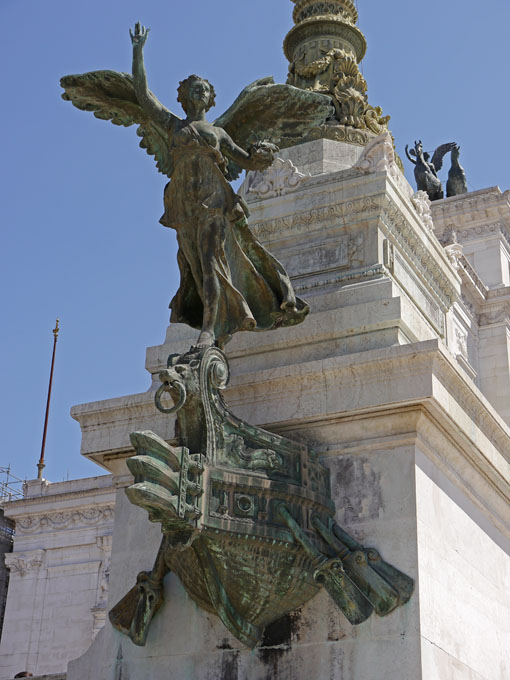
[229, 282]
[246, 516]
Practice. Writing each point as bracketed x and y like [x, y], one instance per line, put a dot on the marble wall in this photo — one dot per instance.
[388, 380]
[59, 571]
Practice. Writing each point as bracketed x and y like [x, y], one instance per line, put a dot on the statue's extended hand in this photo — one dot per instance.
[140, 35]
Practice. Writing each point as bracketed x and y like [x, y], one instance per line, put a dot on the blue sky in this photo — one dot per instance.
[80, 202]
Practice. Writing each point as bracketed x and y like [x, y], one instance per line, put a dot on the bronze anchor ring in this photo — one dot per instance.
[164, 388]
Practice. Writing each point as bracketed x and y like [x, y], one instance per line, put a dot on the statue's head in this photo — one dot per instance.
[198, 90]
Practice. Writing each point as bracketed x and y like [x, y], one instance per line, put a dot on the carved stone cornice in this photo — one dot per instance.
[466, 203]
[340, 133]
[24, 562]
[379, 156]
[473, 216]
[404, 235]
[57, 521]
[474, 232]
[373, 272]
[418, 252]
[496, 313]
[468, 275]
[279, 179]
[302, 221]
[13, 507]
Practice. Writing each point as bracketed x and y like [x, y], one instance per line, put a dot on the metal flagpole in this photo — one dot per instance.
[40, 464]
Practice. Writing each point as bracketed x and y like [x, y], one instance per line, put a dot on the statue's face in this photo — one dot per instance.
[200, 92]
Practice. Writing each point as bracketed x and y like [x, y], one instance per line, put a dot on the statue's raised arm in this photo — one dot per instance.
[150, 104]
[222, 290]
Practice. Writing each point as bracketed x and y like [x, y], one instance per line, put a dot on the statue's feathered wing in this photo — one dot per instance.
[279, 113]
[440, 153]
[271, 111]
[111, 96]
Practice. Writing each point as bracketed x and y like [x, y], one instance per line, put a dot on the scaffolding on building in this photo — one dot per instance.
[11, 487]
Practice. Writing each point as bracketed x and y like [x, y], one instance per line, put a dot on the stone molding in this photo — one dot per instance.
[64, 520]
[495, 314]
[399, 226]
[282, 177]
[302, 221]
[372, 272]
[340, 133]
[473, 232]
[466, 203]
[378, 156]
[55, 498]
[419, 254]
[422, 204]
[466, 271]
[411, 359]
[20, 563]
[468, 306]
[104, 542]
[466, 216]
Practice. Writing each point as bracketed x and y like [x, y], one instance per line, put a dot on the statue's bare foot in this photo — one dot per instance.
[205, 339]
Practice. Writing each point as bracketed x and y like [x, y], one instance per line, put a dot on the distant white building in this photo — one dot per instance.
[59, 572]
[6, 540]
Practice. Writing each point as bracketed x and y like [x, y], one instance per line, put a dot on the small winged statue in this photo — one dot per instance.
[425, 170]
[229, 281]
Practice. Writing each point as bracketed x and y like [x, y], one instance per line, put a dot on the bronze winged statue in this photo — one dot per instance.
[227, 481]
[457, 181]
[229, 281]
[425, 170]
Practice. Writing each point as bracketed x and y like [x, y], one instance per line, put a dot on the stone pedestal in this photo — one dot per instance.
[380, 384]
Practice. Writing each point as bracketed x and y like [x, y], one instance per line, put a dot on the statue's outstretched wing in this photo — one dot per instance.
[111, 96]
[440, 153]
[279, 113]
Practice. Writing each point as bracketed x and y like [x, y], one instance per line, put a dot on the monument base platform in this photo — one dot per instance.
[412, 475]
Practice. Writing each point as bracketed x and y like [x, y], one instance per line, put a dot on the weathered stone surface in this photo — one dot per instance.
[370, 384]
[59, 572]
